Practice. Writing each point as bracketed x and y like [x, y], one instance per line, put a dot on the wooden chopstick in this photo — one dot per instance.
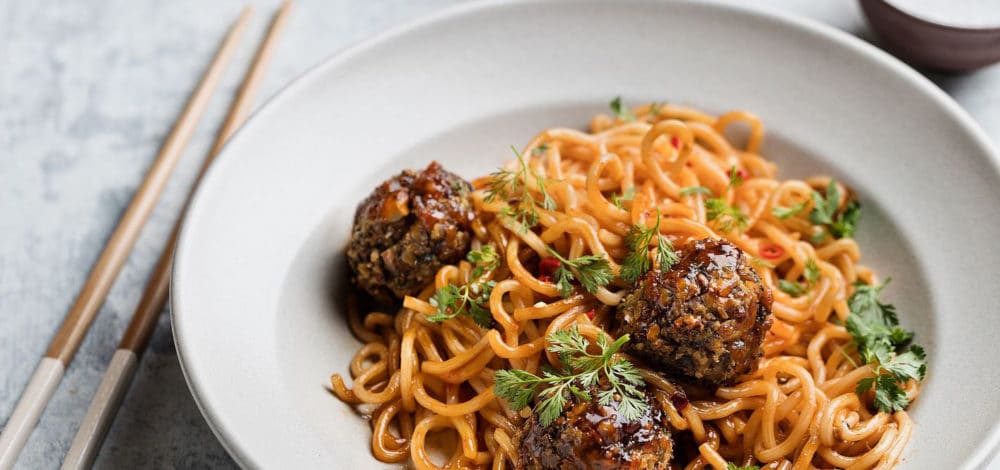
[104, 406]
[50, 370]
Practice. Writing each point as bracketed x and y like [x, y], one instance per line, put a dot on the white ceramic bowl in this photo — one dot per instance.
[256, 320]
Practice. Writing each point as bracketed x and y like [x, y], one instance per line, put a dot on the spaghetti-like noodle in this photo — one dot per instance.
[798, 410]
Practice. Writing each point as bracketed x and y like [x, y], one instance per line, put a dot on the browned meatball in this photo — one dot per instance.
[410, 226]
[591, 436]
[704, 320]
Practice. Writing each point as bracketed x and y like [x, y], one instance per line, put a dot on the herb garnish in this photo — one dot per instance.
[627, 195]
[735, 177]
[637, 262]
[509, 185]
[656, 108]
[696, 190]
[792, 288]
[471, 300]
[581, 371]
[593, 272]
[783, 213]
[885, 347]
[732, 466]
[727, 217]
[826, 211]
[485, 259]
[797, 289]
[621, 112]
[812, 271]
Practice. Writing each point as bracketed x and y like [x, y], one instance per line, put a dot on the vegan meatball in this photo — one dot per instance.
[591, 436]
[704, 320]
[410, 226]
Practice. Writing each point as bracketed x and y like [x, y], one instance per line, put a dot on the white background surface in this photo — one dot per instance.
[88, 90]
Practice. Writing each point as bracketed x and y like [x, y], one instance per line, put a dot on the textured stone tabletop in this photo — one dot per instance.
[88, 90]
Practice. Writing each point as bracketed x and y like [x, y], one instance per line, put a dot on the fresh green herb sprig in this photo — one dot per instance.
[783, 213]
[792, 288]
[797, 289]
[593, 272]
[484, 259]
[638, 239]
[695, 190]
[884, 346]
[581, 373]
[540, 150]
[733, 466]
[471, 300]
[619, 199]
[620, 111]
[735, 178]
[655, 109]
[826, 212]
[727, 217]
[509, 185]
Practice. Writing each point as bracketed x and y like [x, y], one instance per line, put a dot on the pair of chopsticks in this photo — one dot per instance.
[81, 315]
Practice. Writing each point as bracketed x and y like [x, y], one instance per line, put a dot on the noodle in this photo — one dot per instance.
[799, 408]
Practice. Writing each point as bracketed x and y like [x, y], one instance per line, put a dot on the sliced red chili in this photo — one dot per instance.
[545, 278]
[548, 267]
[771, 251]
[676, 142]
[743, 174]
[591, 313]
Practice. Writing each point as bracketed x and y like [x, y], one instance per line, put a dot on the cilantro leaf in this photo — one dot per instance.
[783, 213]
[581, 373]
[637, 261]
[846, 223]
[811, 272]
[627, 195]
[826, 212]
[695, 190]
[735, 178]
[485, 259]
[509, 185]
[883, 345]
[725, 216]
[620, 111]
[797, 289]
[655, 109]
[540, 150]
[825, 208]
[592, 271]
[471, 300]
[791, 288]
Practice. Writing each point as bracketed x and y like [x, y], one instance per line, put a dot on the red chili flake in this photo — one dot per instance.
[545, 278]
[548, 267]
[590, 314]
[771, 251]
[676, 142]
[743, 174]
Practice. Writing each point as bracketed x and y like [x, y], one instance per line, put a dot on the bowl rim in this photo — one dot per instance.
[930, 23]
[227, 438]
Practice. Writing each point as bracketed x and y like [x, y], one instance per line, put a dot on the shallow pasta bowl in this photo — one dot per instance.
[257, 276]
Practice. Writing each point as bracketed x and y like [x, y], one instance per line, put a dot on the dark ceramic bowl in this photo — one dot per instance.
[924, 43]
